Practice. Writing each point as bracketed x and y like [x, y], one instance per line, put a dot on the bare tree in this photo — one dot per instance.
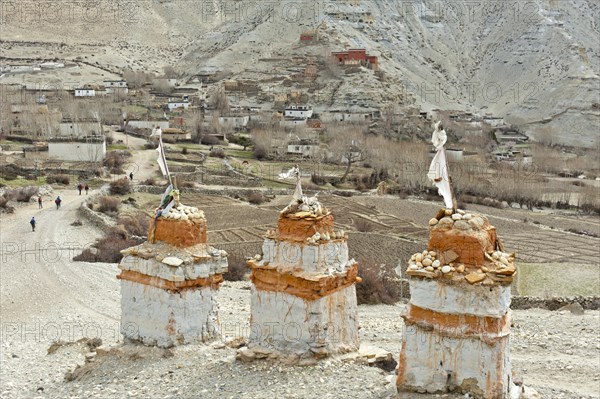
[170, 72]
[162, 86]
[197, 126]
[136, 79]
[220, 102]
[347, 143]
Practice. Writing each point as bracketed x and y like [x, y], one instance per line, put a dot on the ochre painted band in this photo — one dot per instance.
[488, 329]
[174, 286]
[270, 279]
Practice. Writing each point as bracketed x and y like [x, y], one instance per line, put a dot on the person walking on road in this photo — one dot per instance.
[57, 201]
[131, 176]
[32, 223]
[79, 187]
[86, 188]
[40, 202]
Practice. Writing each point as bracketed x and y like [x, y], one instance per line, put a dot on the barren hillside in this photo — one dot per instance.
[535, 62]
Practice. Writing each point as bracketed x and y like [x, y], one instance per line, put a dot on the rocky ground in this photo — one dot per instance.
[47, 298]
[554, 352]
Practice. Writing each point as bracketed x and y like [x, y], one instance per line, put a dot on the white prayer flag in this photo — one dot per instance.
[161, 161]
[438, 170]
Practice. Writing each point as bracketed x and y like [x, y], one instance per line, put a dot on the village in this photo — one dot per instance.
[69, 122]
[282, 209]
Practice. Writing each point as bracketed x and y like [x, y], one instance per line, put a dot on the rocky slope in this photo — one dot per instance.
[535, 62]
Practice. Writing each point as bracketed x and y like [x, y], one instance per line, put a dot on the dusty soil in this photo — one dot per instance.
[45, 297]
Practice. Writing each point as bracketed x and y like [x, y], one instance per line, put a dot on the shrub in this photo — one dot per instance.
[21, 194]
[9, 176]
[114, 161]
[120, 187]
[108, 204]
[186, 184]
[184, 150]
[209, 140]
[255, 197]
[379, 284]
[108, 248]
[136, 224]
[363, 225]
[317, 179]
[58, 179]
[217, 152]
[259, 152]
[237, 268]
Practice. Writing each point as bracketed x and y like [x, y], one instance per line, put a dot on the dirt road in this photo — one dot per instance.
[45, 296]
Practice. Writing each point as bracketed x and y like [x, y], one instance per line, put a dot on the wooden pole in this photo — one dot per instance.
[162, 153]
[454, 204]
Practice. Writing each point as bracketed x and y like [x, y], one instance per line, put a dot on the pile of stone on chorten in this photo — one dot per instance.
[463, 246]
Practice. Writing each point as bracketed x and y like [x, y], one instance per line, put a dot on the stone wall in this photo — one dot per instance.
[528, 302]
[98, 219]
[241, 192]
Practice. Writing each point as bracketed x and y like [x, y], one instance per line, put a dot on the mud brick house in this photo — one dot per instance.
[356, 57]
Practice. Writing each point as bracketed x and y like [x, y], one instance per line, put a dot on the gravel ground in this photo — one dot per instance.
[45, 297]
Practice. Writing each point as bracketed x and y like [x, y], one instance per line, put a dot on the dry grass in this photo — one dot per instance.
[21, 194]
[136, 224]
[108, 204]
[108, 248]
[379, 284]
[547, 280]
[120, 187]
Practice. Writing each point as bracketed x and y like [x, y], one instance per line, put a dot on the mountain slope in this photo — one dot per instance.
[535, 62]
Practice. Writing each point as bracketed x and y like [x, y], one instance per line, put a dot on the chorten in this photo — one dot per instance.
[303, 298]
[457, 323]
[169, 283]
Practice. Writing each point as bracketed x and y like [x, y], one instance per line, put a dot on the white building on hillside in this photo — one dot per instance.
[80, 127]
[178, 104]
[85, 92]
[298, 111]
[84, 149]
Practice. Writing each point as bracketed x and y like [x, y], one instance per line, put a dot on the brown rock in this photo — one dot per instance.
[574, 308]
[445, 223]
[448, 257]
[475, 277]
[420, 273]
[440, 214]
[507, 271]
[470, 245]
[270, 279]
